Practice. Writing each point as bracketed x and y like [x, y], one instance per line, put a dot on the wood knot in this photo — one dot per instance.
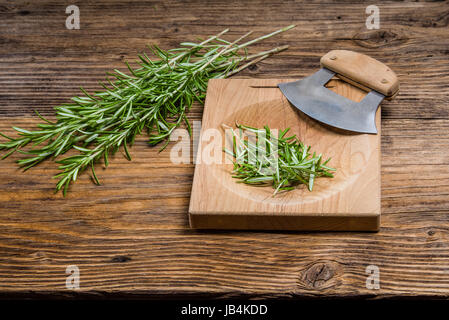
[253, 67]
[120, 259]
[320, 275]
[379, 38]
[41, 256]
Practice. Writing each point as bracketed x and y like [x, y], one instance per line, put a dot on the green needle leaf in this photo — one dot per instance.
[282, 162]
[128, 156]
[94, 175]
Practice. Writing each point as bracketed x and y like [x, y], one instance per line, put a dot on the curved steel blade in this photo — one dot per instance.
[311, 97]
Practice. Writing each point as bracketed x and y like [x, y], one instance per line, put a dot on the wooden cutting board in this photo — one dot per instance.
[349, 201]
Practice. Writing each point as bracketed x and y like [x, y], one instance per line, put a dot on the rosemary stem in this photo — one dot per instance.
[260, 56]
[223, 51]
[265, 36]
[199, 45]
[252, 56]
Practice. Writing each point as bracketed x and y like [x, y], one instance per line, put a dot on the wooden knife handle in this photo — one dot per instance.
[362, 71]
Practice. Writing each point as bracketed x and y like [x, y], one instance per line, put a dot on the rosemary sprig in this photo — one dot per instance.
[154, 97]
[261, 158]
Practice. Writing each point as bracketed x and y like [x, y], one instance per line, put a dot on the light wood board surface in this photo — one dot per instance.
[349, 201]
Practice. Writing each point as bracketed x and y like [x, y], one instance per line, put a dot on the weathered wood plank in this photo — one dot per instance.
[130, 236]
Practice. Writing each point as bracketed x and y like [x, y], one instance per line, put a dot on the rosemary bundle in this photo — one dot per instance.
[154, 97]
[261, 158]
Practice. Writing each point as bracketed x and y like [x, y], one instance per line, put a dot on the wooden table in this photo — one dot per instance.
[130, 237]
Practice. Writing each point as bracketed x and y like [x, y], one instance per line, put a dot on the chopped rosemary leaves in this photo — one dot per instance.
[261, 158]
[153, 97]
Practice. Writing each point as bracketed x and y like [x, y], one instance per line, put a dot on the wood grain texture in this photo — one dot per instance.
[362, 71]
[130, 236]
[348, 202]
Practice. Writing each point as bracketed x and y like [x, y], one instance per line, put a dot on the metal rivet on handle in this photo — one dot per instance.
[384, 81]
[333, 58]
